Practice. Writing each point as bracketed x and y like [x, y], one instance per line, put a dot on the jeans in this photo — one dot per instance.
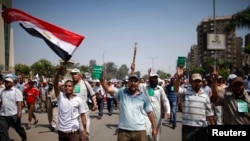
[173, 106]
[110, 104]
[100, 103]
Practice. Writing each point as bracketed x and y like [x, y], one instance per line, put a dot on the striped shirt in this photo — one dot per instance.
[196, 107]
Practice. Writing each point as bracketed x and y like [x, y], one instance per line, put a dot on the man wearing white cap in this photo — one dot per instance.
[196, 108]
[11, 110]
[160, 104]
[81, 89]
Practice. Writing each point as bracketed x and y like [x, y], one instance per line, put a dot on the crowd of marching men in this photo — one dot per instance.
[222, 101]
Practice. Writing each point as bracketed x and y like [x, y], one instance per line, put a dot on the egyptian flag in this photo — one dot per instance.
[63, 42]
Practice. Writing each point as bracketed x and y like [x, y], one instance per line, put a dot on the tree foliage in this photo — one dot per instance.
[247, 49]
[163, 75]
[110, 70]
[22, 69]
[43, 67]
[241, 19]
[122, 72]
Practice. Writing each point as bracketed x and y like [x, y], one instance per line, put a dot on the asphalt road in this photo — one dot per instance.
[104, 129]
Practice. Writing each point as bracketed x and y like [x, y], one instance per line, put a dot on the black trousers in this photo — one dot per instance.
[69, 136]
[11, 121]
[191, 133]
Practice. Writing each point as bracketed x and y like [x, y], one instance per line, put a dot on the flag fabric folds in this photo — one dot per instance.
[63, 42]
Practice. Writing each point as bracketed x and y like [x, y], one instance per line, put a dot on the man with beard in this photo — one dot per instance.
[159, 102]
[133, 106]
[81, 89]
[196, 108]
[11, 110]
[234, 100]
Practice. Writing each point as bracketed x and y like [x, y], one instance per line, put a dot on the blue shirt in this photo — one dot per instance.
[132, 110]
[172, 96]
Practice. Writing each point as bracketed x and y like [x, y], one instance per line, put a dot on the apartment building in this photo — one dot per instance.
[233, 45]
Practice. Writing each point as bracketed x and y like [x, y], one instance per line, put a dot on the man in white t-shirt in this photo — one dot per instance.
[70, 109]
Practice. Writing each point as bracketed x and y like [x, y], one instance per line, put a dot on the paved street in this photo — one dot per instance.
[101, 130]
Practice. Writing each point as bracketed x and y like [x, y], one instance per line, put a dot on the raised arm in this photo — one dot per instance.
[56, 80]
[132, 67]
[106, 87]
[178, 76]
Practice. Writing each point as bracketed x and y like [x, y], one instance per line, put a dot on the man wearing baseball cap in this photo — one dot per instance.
[160, 104]
[230, 99]
[133, 103]
[196, 108]
[81, 89]
[11, 110]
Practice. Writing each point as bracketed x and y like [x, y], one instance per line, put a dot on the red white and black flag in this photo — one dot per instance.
[63, 42]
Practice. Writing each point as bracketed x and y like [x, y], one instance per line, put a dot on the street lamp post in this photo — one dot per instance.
[153, 58]
[103, 66]
[103, 57]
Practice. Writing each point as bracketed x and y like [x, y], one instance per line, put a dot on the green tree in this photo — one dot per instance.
[239, 20]
[110, 70]
[24, 69]
[198, 70]
[208, 65]
[122, 72]
[163, 75]
[223, 72]
[247, 49]
[44, 68]
[84, 68]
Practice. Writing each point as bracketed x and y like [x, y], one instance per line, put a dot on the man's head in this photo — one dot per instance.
[220, 80]
[68, 87]
[31, 83]
[196, 81]
[153, 80]
[50, 85]
[8, 82]
[133, 82]
[75, 75]
[238, 85]
[230, 78]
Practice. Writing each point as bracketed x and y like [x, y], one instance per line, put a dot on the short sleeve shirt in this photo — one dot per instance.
[69, 111]
[196, 107]
[132, 109]
[31, 94]
[9, 98]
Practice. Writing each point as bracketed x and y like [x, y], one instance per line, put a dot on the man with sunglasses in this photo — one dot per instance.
[196, 108]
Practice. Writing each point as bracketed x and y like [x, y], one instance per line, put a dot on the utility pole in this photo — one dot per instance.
[215, 52]
[153, 58]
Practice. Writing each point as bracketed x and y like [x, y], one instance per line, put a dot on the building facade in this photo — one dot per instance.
[6, 42]
[233, 45]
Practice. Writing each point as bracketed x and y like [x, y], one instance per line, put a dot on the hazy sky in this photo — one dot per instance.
[163, 29]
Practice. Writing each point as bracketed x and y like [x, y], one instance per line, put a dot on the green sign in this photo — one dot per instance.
[181, 61]
[97, 72]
